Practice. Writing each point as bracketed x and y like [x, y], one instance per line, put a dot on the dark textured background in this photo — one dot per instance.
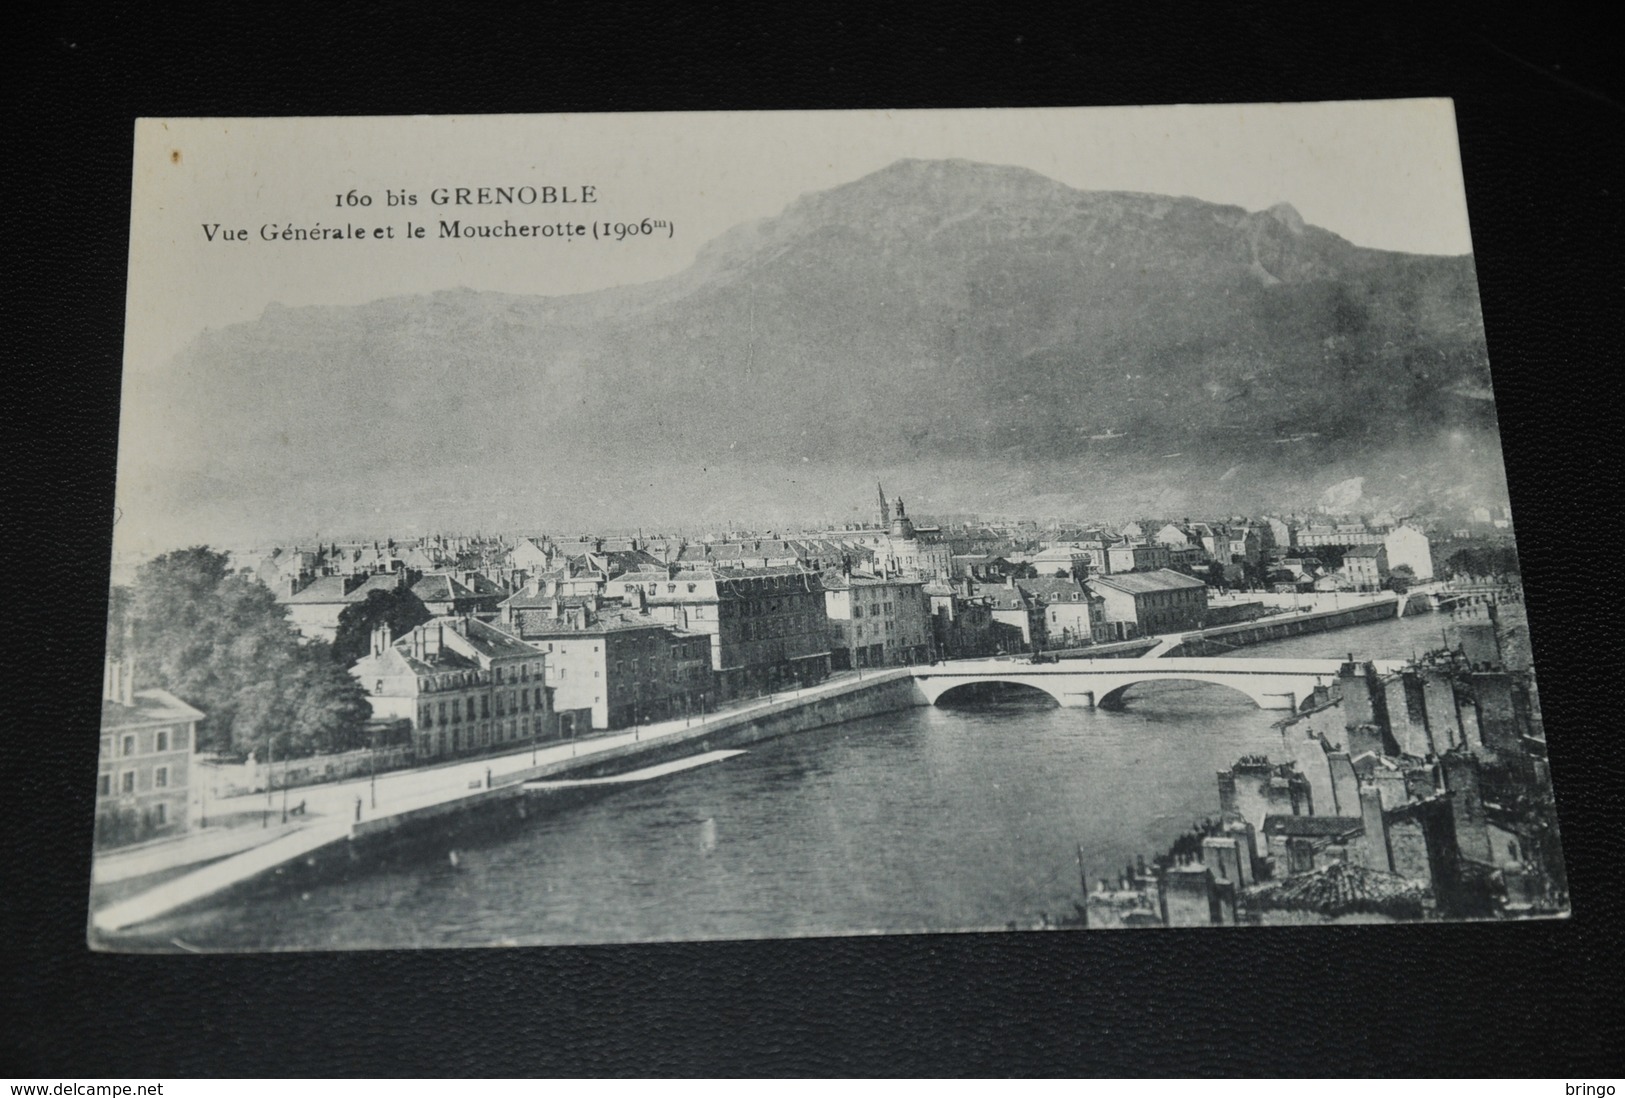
[1540, 113]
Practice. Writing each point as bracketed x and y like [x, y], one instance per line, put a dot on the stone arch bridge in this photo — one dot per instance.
[1271, 683]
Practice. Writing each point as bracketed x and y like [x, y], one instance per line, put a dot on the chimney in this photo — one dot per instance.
[417, 643]
[380, 639]
[127, 681]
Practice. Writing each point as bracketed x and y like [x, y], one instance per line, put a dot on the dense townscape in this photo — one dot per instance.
[277, 669]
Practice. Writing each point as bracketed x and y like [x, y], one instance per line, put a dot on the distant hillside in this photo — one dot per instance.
[982, 335]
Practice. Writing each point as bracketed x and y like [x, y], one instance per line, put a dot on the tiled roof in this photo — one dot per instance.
[1055, 588]
[604, 623]
[488, 640]
[321, 589]
[1314, 827]
[382, 581]
[1340, 889]
[440, 587]
[1003, 598]
[481, 585]
[151, 706]
[1141, 583]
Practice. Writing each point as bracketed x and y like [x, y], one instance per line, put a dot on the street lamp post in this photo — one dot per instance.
[270, 776]
[372, 768]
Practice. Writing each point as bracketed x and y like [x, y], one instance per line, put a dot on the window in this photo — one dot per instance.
[470, 708]
[128, 746]
[161, 816]
[127, 782]
[160, 778]
[104, 785]
[163, 741]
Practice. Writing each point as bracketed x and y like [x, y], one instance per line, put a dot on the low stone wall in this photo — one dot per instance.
[1218, 642]
[882, 692]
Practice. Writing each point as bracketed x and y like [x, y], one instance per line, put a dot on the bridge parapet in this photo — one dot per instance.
[1270, 683]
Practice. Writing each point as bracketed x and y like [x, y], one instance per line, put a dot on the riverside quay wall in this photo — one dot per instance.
[1225, 638]
[428, 825]
[798, 711]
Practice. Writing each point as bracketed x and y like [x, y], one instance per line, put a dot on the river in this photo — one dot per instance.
[930, 819]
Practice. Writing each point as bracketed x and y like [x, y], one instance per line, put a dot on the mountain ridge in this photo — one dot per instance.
[932, 314]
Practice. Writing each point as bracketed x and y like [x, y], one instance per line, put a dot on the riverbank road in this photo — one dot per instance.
[403, 790]
[195, 847]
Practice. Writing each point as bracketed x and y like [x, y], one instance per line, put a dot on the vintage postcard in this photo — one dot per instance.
[624, 528]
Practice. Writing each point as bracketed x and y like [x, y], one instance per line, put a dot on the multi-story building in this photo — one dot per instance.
[898, 546]
[464, 685]
[1073, 615]
[1069, 559]
[1283, 534]
[1018, 619]
[1136, 557]
[314, 606]
[1245, 545]
[1410, 547]
[767, 627]
[1366, 567]
[618, 666]
[1151, 602]
[143, 778]
[876, 621]
[961, 623]
[443, 595]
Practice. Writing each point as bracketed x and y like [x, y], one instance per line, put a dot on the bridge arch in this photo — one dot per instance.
[935, 689]
[1262, 694]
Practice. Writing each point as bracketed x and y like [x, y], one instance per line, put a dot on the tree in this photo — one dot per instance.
[1401, 579]
[399, 609]
[1331, 556]
[221, 642]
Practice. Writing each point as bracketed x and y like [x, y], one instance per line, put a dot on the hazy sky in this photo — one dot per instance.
[1382, 174]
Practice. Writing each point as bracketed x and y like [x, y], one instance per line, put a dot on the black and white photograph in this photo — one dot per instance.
[558, 530]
